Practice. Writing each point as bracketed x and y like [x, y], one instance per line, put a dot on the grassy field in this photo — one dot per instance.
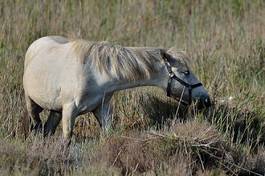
[226, 41]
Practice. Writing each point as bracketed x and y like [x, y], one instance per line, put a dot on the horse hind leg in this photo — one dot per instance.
[34, 111]
[52, 123]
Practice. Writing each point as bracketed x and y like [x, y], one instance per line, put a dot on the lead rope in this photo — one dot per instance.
[175, 117]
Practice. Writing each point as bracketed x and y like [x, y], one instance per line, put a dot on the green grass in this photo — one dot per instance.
[225, 40]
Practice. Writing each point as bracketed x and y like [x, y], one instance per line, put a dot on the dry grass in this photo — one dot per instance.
[179, 148]
[190, 148]
[184, 149]
[226, 41]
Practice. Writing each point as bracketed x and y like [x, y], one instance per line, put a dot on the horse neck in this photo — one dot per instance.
[158, 79]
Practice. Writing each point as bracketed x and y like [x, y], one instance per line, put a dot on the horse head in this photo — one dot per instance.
[183, 85]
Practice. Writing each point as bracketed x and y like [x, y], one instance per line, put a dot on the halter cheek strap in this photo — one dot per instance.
[182, 82]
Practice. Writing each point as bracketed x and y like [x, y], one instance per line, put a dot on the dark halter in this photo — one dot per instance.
[187, 85]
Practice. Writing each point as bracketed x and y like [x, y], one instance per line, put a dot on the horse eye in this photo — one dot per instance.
[186, 72]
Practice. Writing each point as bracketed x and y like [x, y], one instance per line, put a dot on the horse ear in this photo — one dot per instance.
[167, 57]
[174, 55]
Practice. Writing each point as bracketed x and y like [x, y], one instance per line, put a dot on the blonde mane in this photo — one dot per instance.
[116, 61]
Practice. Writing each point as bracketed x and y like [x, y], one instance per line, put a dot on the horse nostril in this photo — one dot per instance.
[207, 102]
[204, 102]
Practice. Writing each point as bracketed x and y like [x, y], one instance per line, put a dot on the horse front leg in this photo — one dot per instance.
[104, 115]
[69, 114]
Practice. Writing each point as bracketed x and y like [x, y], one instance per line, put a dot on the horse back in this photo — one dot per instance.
[41, 44]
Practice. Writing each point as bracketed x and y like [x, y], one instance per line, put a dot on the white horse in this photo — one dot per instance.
[73, 77]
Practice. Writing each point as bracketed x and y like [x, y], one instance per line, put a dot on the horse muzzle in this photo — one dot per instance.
[203, 102]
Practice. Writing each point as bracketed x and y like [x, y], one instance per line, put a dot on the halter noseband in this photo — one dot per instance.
[187, 85]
